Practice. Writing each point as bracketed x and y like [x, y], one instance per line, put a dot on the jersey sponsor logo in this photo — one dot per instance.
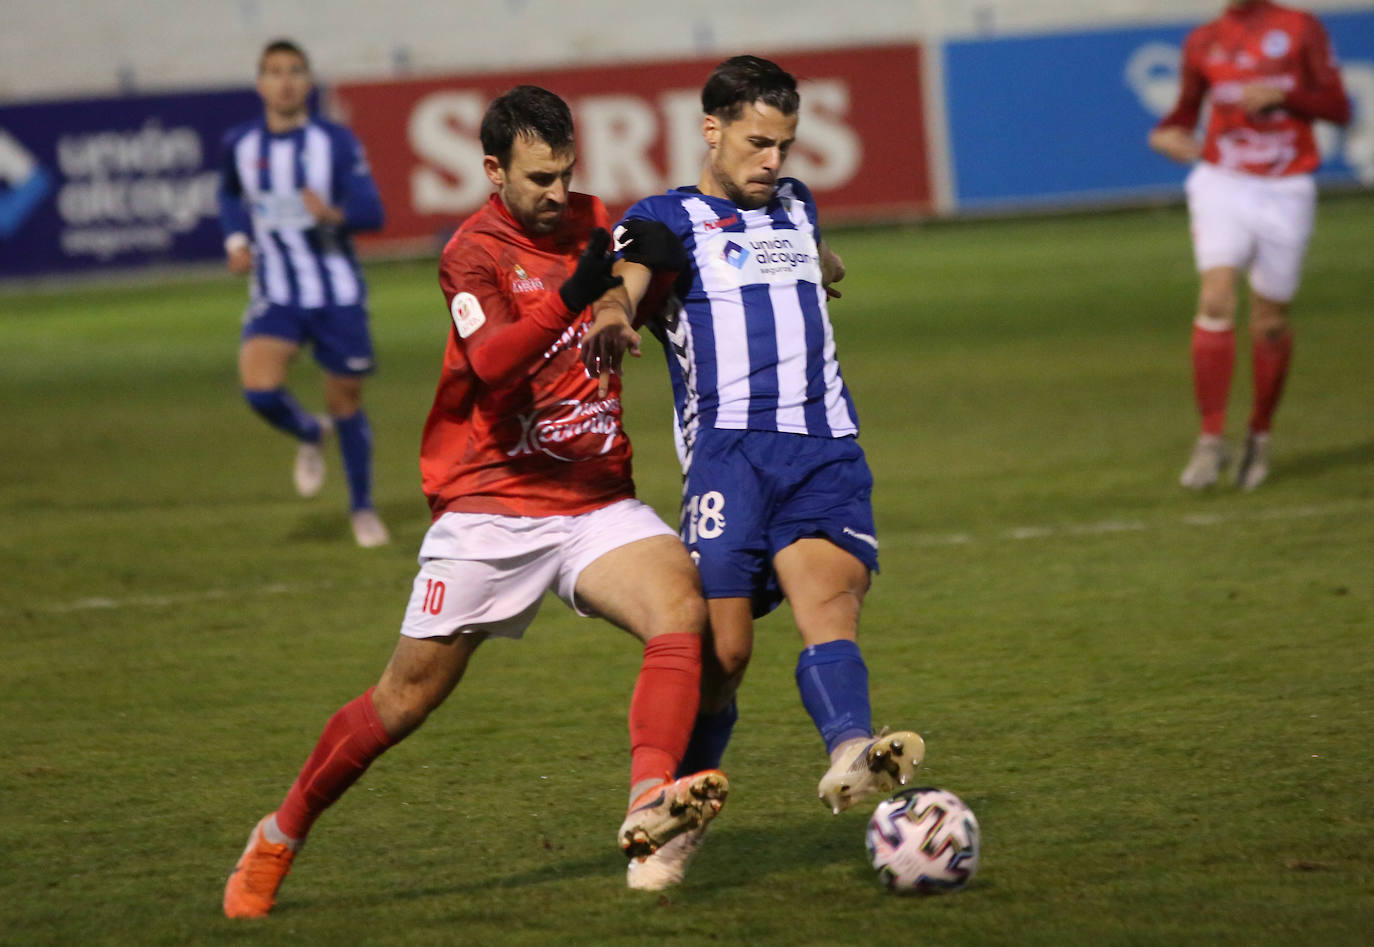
[1247, 148]
[28, 182]
[720, 223]
[569, 430]
[524, 283]
[777, 253]
[776, 257]
[468, 316]
[1276, 44]
[281, 212]
[1231, 93]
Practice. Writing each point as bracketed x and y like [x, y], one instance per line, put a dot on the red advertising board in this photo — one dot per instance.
[861, 145]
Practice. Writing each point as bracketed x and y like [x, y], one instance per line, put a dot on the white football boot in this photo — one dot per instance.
[867, 766]
[308, 473]
[368, 529]
[667, 866]
[1254, 463]
[1206, 463]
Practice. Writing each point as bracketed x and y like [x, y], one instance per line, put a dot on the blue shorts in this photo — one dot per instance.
[339, 334]
[749, 494]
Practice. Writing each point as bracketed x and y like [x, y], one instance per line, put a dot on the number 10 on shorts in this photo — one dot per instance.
[434, 597]
[705, 516]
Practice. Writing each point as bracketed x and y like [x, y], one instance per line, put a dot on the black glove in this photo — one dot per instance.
[593, 274]
[651, 243]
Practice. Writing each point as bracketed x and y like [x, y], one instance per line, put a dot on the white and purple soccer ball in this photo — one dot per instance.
[923, 841]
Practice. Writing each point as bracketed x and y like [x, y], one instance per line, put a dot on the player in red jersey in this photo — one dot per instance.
[527, 470]
[1268, 72]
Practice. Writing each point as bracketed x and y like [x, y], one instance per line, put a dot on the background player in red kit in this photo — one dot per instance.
[1268, 72]
[527, 470]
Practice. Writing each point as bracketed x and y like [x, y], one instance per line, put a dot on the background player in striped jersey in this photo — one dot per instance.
[776, 499]
[527, 470]
[292, 189]
[1268, 72]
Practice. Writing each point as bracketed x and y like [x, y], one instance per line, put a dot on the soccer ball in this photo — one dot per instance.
[923, 841]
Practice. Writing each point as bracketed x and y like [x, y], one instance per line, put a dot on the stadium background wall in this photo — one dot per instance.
[107, 152]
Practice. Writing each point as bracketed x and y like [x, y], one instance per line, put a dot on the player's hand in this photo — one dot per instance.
[1177, 143]
[605, 344]
[650, 243]
[832, 271]
[1257, 97]
[593, 274]
[240, 260]
[318, 208]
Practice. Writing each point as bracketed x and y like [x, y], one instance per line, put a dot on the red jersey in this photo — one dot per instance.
[1260, 42]
[517, 427]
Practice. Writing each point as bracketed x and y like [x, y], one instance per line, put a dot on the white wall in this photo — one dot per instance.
[50, 48]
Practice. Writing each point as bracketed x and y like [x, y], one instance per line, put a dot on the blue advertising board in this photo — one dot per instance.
[113, 182]
[1061, 119]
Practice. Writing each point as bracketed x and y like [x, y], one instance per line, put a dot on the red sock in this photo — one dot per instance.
[1214, 358]
[352, 739]
[664, 706]
[1270, 358]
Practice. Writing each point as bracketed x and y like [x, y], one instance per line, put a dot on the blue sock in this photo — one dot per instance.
[833, 681]
[710, 736]
[280, 410]
[355, 446]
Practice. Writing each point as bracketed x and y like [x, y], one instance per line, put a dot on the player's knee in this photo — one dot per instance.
[733, 658]
[685, 613]
[1217, 296]
[343, 395]
[1218, 304]
[1268, 320]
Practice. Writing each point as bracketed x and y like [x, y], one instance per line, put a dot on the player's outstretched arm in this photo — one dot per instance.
[325, 214]
[1176, 142]
[612, 331]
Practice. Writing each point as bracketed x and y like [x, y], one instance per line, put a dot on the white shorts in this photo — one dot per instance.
[1252, 223]
[480, 572]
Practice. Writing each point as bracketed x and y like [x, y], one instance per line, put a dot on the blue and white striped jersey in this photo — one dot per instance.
[297, 262]
[746, 331]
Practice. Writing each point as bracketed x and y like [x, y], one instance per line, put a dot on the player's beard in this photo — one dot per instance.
[542, 220]
[737, 194]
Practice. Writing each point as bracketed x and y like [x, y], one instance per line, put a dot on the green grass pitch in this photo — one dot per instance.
[1158, 703]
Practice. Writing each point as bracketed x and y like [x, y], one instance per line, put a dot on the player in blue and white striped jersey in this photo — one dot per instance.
[292, 190]
[733, 277]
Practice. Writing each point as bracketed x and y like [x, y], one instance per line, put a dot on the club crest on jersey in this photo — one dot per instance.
[1275, 44]
[524, 283]
[569, 430]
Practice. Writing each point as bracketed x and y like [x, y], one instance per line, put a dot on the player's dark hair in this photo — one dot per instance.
[742, 80]
[527, 111]
[282, 46]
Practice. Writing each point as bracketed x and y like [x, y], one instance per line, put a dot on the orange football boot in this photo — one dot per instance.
[252, 887]
[671, 808]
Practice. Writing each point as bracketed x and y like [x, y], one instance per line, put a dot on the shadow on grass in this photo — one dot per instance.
[1320, 461]
[329, 524]
[732, 858]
